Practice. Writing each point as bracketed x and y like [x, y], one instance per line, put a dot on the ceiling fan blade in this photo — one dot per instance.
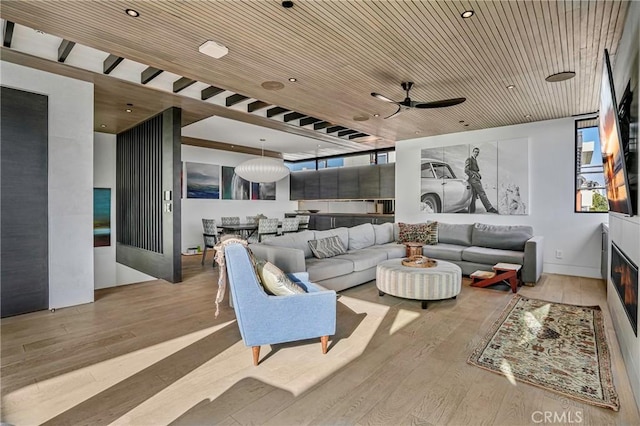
[438, 104]
[382, 98]
[395, 113]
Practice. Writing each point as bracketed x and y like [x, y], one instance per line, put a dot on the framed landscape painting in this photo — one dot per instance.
[203, 180]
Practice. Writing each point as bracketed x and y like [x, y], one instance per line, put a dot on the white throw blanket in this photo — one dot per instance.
[222, 278]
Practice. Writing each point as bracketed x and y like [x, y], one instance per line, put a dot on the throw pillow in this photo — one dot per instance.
[327, 247]
[425, 233]
[276, 282]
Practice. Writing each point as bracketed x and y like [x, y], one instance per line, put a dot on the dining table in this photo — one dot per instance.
[245, 230]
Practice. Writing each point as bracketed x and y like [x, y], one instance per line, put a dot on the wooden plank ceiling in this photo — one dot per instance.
[341, 51]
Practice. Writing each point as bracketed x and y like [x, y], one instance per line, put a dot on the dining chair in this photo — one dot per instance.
[267, 227]
[230, 220]
[303, 221]
[289, 224]
[252, 219]
[210, 237]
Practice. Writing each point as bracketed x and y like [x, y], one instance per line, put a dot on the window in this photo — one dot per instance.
[442, 171]
[591, 194]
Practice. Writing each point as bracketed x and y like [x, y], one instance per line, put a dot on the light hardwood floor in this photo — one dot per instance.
[153, 353]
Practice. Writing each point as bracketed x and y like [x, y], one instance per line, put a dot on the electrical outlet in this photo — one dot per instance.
[558, 254]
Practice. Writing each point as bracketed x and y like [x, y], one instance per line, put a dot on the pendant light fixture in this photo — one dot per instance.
[263, 169]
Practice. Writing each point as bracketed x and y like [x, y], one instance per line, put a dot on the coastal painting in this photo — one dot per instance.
[203, 180]
[101, 217]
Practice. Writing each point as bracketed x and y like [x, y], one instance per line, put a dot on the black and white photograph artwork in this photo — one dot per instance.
[263, 191]
[483, 178]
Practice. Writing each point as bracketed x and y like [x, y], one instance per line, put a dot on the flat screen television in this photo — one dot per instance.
[615, 170]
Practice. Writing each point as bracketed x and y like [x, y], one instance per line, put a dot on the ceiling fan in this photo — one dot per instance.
[408, 103]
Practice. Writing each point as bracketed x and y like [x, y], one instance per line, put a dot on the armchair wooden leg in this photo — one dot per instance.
[256, 354]
[325, 341]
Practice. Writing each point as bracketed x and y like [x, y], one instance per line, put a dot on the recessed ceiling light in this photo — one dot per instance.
[213, 49]
[527, 116]
[466, 125]
[417, 132]
[561, 76]
[293, 79]
[262, 139]
[511, 86]
[467, 14]
[129, 105]
[376, 115]
[461, 121]
[272, 85]
[287, 4]
[103, 125]
[128, 110]
[361, 117]
[132, 13]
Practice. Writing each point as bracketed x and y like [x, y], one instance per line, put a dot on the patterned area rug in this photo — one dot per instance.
[555, 346]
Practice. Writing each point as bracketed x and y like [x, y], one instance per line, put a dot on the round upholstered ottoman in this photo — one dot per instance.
[442, 281]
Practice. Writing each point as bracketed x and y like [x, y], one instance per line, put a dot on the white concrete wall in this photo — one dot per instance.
[70, 180]
[194, 210]
[108, 273]
[551, 189]
[625, 231]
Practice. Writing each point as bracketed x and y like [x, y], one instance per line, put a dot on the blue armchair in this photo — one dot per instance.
[265, 319]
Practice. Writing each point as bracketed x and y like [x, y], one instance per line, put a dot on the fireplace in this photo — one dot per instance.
[624, 275]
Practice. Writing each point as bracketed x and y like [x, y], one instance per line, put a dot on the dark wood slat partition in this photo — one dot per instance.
[147, 182]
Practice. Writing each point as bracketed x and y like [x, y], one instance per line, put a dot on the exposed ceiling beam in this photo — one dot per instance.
[228, 147]
[346, 132]
[357, 135]
[149, 74]
[234, 99]
[64, 49]
[308, 120]
[257, 105]
[182, 83]
[8, 33]
[111, 63]
[292, 116]
[272, 112]
[210, 92]
[335, 129]
[321, 125]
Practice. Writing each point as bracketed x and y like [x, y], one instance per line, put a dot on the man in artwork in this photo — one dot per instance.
[475, 180]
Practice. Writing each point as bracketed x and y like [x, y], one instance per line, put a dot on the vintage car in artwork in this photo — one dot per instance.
[440, 190]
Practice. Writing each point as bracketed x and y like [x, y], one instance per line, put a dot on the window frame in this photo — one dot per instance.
[577, 166]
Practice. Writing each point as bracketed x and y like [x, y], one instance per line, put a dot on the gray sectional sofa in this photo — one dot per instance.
[479, 246]
[366, 244]
[470, 246]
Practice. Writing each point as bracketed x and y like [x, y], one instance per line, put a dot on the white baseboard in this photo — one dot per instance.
[577, 271]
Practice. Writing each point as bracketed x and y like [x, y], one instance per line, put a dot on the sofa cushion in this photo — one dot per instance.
[384, 233]
[327, 247]
[491, 256]
[342, 232]
[297, 240]
[425, 233]
[501, 236]
[455, 233]
[361, 236]
[444, 251]
[323, 269]
[393, 250]
[275, 281]
[364, 258]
